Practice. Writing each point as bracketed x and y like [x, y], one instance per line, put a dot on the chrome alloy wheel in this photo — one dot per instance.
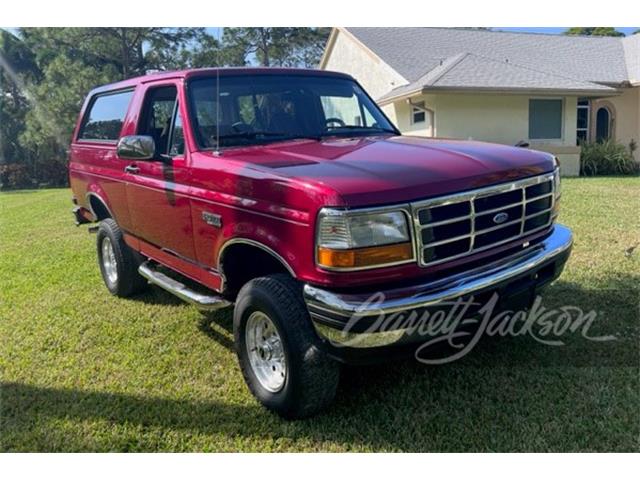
[109, 261]
[266, 352]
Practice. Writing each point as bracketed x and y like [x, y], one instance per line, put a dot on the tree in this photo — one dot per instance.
[594, 31]
[17, 63]
[204, 52]
[45, 74]
[72, 61]
[271, 46]
[53, 112]
[131, 51]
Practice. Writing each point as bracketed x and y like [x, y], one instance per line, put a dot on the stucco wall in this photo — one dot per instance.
[490, 118]
[401, 114]
[627, 116]
[500, 118]
[350, 57]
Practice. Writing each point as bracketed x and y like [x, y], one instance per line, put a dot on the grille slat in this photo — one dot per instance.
[444, 222]
[461, 224]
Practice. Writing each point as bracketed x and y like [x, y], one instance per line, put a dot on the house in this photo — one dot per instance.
[550, 91]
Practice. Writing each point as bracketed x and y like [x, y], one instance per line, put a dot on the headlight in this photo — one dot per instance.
[354, 240]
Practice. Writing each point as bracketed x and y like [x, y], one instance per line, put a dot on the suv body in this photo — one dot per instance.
[290, 193]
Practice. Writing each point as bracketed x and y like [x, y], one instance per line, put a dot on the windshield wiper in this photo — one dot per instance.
[265, 135]
[352, 128]
[253, 134]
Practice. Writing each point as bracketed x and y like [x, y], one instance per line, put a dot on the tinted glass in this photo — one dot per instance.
[265, 108]
[158, 114]
[545, 119]
[105, 117]
[581, 136]
[419, 115]
[602, 124]
[583, 117]
[177, 139]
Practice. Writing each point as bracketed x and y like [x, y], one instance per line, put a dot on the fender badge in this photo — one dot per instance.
[212, 219]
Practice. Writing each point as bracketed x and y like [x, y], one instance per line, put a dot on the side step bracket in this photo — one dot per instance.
[201, 300]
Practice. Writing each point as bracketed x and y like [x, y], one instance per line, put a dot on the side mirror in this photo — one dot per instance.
[522, 144]
[136, 147]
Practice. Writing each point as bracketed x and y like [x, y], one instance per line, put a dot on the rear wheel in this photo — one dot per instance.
[118, 263]
[274, 342]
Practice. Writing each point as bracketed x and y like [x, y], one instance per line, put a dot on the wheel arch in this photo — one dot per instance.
[98, 206]
[242, 259]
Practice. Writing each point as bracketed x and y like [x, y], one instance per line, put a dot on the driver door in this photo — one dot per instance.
[157, 188]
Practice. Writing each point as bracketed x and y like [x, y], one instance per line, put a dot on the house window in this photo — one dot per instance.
[603, 124]
[545, 119]
[582, 127]
[418, 113]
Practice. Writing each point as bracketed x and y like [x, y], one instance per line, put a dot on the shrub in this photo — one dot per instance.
[608, 158]
[15, 175]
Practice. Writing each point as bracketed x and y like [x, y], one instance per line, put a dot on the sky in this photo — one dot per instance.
[556, 30]
[215, 31]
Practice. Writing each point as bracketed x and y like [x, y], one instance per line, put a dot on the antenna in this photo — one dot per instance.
[217, 151]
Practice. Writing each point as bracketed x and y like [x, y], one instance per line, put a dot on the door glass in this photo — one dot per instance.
[157, 117]
[582, 125]
[177, 138]
[583, 117]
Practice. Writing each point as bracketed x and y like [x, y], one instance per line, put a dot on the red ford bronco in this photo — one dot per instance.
[290, 194]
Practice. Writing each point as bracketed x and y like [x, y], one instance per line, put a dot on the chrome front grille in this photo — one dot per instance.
[457, 225]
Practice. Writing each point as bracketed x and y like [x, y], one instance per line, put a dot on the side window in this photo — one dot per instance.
[105, 117]
[177, 136]
[545, 119]
[157, 116]
[418, 115]
[582, 127]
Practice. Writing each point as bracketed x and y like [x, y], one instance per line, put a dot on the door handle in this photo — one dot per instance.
[131, 169]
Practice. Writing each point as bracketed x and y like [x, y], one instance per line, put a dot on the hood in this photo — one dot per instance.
[381, 170]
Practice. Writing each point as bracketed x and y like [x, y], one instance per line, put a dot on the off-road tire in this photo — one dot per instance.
[129, 281]
[312, 377]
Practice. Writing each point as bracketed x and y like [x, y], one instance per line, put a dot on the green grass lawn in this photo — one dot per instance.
[84, 371]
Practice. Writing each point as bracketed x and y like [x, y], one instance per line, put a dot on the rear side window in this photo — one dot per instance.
[106, 114]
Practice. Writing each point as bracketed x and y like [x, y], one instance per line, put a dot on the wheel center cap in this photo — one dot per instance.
[266, 352]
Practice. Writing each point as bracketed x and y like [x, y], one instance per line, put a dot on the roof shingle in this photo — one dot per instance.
[632, 56]
[471, 71]
[466, 58]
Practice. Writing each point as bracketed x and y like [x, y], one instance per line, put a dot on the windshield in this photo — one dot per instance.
[264, 108]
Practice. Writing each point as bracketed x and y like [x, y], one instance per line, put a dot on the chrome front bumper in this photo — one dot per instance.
[331, 311]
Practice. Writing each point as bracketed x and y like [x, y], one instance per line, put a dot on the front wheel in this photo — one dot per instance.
[274, 342]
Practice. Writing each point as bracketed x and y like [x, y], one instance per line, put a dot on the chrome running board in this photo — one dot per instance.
[200, 300]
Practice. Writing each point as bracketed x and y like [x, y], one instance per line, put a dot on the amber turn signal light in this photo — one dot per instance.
[364, 257]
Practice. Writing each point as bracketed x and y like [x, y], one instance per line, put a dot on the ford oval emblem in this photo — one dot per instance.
[500, 217]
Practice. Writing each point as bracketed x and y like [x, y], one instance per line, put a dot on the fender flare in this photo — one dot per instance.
[253, 243]
[99, 198]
